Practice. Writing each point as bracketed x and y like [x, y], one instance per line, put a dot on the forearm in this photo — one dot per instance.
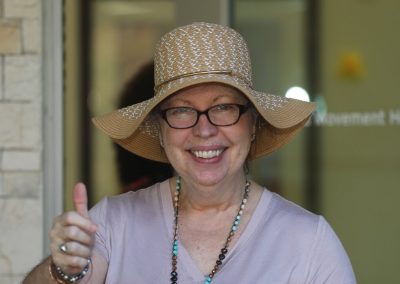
[40, 274]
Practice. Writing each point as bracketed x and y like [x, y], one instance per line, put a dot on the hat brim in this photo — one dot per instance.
[131, 127]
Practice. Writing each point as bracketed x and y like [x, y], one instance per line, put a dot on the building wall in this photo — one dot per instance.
[21, 143]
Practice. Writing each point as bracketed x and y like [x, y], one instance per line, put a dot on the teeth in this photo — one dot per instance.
[207, 154]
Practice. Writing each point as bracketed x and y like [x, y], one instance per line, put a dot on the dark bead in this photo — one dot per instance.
[219, 262]
[174, 278]
[174, 282]
[174, 273]
[224, 250]
[221, 256]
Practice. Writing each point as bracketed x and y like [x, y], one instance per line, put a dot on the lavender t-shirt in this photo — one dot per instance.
[281, 244]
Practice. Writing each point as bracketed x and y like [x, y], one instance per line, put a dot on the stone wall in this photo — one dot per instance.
[21, 143]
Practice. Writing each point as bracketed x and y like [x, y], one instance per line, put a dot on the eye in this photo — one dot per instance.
[224, 108]
[179, 111]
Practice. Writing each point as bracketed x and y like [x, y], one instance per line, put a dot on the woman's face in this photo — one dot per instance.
[207, 154]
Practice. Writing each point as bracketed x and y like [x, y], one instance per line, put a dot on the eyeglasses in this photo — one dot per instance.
[218, 115]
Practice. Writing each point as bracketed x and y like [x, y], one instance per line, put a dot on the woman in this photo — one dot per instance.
[209, 223]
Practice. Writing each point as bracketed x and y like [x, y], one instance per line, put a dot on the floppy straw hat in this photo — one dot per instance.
[200, 53]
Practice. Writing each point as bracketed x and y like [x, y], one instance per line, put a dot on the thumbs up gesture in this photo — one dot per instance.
[72, 235]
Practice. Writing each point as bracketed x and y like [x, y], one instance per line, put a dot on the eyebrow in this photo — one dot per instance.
[219, 97]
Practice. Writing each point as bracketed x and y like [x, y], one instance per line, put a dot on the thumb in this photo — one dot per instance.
[80, 200]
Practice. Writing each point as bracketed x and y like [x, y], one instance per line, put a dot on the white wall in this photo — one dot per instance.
[21, 143]
[30, 131]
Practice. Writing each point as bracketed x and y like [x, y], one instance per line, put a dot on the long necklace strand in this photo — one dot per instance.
[224, 250]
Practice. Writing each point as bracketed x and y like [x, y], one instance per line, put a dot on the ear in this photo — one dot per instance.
[159, 130]
[254, 125]
[161, 140]
[160, 136]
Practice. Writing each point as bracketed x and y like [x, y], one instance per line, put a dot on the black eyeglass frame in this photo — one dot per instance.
[242, 109]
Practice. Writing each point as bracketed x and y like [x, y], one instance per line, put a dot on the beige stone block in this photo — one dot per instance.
[11, 279]
[1, 184]
[21, 235]
[6, 279]
[10, 37]
[21, 184]
[22, 77]
[1, 78]
[22, 9]
[20, 161]
[20, 125]
[31, 36]
[10, 121]
[31, 125]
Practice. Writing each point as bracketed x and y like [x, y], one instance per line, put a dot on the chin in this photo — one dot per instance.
[210, 178]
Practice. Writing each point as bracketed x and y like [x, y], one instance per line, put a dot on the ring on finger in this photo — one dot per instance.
[63, 248]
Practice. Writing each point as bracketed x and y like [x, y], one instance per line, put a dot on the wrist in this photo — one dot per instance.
[61, 277]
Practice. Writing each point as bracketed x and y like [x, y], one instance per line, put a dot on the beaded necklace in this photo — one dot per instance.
[224, 250]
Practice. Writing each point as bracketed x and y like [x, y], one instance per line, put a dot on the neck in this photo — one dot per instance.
[218, 197]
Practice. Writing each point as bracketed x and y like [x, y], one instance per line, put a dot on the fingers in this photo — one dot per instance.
[70, 264]
[75, 240]
[73, 218]
[72, 249]
[76, 249]
[76, 234]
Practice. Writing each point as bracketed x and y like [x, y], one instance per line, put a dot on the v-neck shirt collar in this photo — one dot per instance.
[185, 261]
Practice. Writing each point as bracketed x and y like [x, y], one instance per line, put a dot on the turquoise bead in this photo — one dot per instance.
[175, 248]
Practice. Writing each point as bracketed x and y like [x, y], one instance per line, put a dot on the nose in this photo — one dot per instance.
[204, 128]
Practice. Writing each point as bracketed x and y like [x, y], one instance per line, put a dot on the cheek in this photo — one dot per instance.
[248, 128]
[244, 137]
[170, 138]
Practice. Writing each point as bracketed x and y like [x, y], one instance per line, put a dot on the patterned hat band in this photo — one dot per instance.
[208, 72]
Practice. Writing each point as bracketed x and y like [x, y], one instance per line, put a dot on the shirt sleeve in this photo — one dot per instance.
[329, 263]
[98, 214]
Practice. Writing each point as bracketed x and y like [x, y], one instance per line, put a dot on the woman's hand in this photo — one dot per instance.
[72, 235]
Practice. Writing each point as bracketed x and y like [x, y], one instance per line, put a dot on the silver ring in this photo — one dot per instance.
[63, 248]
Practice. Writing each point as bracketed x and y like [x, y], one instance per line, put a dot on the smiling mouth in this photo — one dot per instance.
[207, 154]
